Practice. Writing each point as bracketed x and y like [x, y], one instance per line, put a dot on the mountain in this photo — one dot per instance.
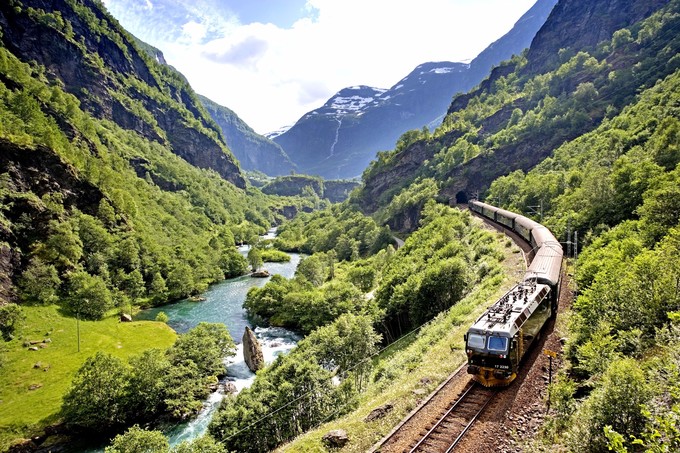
[115, 80]
[116, 185]
[253, 151]
[339, 139]
[580, 69]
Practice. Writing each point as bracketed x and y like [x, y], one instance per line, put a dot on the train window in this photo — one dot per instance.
[498, 344]
[476, 341]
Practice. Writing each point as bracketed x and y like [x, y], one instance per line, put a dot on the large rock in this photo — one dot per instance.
[336, 438]
[379, 412]
[252, 351]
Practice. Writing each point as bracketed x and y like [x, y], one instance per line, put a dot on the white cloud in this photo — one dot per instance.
[193, 33]
[271, 76]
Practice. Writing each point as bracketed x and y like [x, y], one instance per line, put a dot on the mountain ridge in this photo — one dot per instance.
[342, 146]
[518, 115]
[253, 151]
[116, 80]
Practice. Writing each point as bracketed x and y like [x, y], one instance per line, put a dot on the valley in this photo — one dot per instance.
[123, 192]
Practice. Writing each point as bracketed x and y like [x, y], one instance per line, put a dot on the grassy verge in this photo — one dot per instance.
[32, 383]
[408, 371]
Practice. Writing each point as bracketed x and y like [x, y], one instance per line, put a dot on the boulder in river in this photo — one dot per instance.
[252, 351]
[262, 273]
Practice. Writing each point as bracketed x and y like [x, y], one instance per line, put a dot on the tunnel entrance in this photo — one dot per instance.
[461, 197]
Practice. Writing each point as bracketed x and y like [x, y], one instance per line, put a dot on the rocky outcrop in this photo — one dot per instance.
[581, 25]
[335, 439]
[9, 261]
[252, 351]
[338, 191]
[379, 412]
[262, 273]
[39, 171]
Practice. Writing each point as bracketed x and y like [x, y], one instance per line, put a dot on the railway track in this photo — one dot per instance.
[452, 425]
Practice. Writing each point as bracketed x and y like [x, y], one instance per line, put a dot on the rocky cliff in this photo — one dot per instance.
[84, 48]
[582, 25]
[253, 151]
[303, 185]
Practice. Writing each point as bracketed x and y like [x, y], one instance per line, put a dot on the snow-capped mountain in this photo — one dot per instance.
[339, 139]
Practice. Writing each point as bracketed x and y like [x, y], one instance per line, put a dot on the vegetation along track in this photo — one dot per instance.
[509, 409]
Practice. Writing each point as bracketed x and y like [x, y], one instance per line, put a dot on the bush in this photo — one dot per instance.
[10, 314]
[162, 317]
[138, 440]
[96, 399]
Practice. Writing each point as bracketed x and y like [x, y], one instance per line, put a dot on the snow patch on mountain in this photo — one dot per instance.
[277, 132]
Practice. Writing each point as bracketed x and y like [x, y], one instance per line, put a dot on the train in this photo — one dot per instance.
[499, 339]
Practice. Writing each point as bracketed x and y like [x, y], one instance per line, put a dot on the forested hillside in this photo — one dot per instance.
[116, 191]
[522, 113]
[588, 138]
[99, 197]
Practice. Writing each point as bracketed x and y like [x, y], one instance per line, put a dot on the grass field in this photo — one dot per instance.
[32, 383]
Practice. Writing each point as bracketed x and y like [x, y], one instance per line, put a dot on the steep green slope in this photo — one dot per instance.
[116, 191]
[594, 141]
[518, 116]
[101, 189]
[80, 44]
[619, 188]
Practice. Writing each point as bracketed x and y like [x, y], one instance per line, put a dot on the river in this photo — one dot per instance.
[223, 304]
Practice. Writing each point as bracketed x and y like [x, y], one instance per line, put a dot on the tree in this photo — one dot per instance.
[206, 345]
[39, 282]
[312, 268]
[180, 280]
[185, 389]
[347, 344]
[254, 258]
[10, 314]
[204, 444]
[97, 396]
[147, 386]
[138, 440]
[618, 403]
[63, 247]
[89, 297]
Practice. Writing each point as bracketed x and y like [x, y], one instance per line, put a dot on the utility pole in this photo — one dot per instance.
[78, 327]
[540, 209]
[568, 236]
[576, 244]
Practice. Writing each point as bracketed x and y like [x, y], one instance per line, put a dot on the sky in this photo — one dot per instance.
[272, 61]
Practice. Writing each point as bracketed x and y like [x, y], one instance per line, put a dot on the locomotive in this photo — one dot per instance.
[502, 335]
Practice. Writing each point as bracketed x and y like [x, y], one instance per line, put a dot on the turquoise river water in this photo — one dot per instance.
[223, 303]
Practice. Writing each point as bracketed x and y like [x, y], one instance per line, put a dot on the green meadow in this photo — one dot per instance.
[33, 382]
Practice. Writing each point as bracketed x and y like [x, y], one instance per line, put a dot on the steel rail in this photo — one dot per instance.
[448, 413]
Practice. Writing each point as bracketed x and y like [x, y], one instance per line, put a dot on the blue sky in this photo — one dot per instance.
[271, 61]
